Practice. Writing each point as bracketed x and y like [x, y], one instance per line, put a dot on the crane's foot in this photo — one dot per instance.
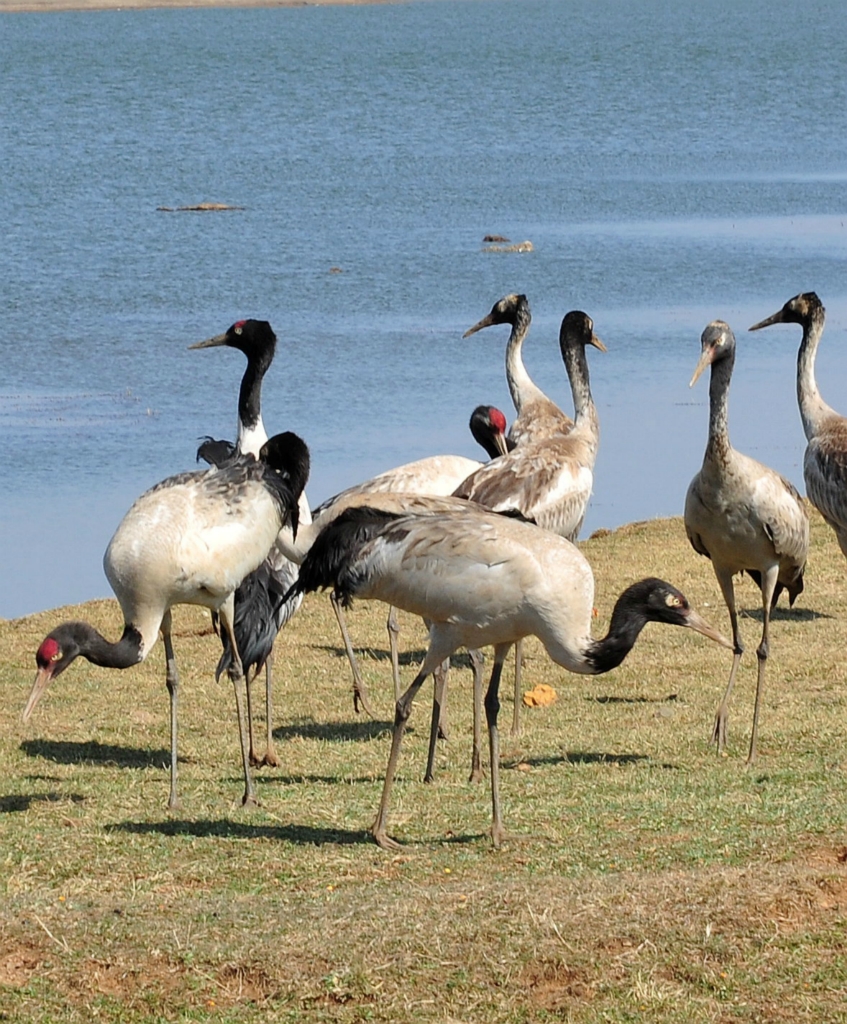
[255, 760]
[719, 730]
[477, 775]
[498, 836]
[250, 800]
[384, 841]
[271, 759]
[361, 702]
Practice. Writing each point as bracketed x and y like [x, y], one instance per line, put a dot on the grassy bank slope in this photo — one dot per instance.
[648, 879]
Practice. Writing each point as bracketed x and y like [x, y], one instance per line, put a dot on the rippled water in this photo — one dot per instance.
[669, 166]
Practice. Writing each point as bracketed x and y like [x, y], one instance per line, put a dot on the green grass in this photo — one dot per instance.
[646, 880]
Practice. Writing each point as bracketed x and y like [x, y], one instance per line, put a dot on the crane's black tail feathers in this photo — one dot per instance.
[261, 610]
[335, 550]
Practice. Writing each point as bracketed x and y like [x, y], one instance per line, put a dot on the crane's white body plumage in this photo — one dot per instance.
[189, 540]
[481, 580]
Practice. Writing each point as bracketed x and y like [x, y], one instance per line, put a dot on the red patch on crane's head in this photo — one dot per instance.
[238, 326]
[498, 419]
[47, 652]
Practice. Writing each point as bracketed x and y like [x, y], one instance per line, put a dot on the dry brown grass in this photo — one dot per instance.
[648, 879]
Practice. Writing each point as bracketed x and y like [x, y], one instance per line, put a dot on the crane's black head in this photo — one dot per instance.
[716, 342]
[288, 456]
[255, 338]
[488, 426]
[578, 329]
[508, 310]
[58, 649]
[802, 309]
[648, 600]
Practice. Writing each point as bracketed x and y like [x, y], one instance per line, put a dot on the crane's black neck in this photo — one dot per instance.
[576, 365]
[648, 600]
[82, 639]
[624, 629]
[250, 394]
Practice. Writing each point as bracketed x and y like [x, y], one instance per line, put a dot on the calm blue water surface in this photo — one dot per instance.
[670, 163]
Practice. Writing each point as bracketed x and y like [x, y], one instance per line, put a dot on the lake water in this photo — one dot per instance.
[671, 163]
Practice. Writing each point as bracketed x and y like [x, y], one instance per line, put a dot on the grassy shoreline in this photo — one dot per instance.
[647, 878]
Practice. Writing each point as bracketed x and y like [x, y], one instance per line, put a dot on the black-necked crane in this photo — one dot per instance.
[482, 580]
[549, 479]
[488, 427]
[191, 539]
[745, 517]
[537, 415]
[260, 611]
[825, 461]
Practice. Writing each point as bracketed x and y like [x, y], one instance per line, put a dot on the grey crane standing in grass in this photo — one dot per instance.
[191, 539]
[260, 611]
[825, 461]
[744, 517]
[548, 476]
[537, 415]
[482, 579]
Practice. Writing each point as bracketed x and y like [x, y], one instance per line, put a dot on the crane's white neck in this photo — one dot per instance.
[813, 409]
[521, 386]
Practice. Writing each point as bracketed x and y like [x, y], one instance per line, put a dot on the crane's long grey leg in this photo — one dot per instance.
[719, 729]
[492, 708]
[476, 753]
[172, 682]
[252, 756]
[769, 580]
[401, 715]
[236, 674]
[271, 757]
[360, 691]
[516, 710]
[437, 723]
[393, 627]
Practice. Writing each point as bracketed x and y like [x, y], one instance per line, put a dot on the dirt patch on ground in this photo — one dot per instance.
[554, 987]
[18, 962]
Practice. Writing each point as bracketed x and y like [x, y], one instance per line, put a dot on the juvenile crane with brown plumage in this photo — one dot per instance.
[825, 461]
[745, 517]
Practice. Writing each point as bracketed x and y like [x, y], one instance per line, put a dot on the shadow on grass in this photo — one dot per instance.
[608, 699]
[590, 757]
[92, 752]
[223, 828]
[342, 732]
[301, 835]
[16, 802]
[785, 614]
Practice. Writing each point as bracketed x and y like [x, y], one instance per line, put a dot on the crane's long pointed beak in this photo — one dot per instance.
[219, 339]
[597, 343]
[486, 321]
[501, 444]
[42, 680]
[705, 360]
[775, 319]
[696, 622]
